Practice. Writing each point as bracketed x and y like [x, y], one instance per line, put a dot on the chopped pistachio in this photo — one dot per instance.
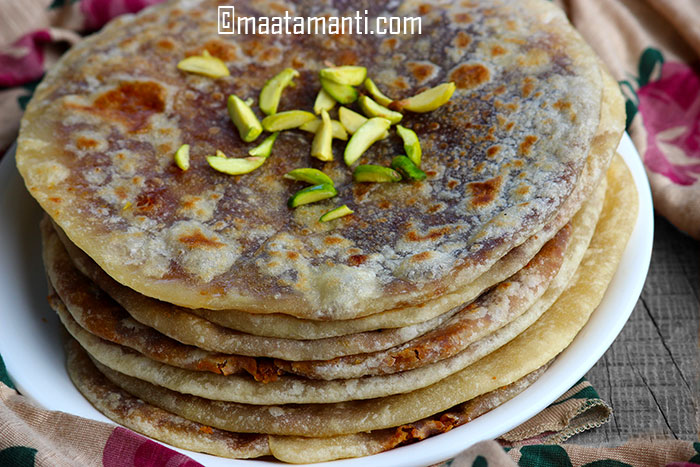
[323, 102]
[182, 157]
[220, 153]
[340, 211]
[407, 168]
[243, 117]
[410, 144]
[351, 75]
[427, 100]
[375, 173]
[370, 132]
[204, 64]
[372, 109]
[338, 129]
[321, 147]
[343, 93]
[376, 93]
[250, 101]
[272, 91]
[311, 195]
[350, 119]
[265, 148]
[309, 175]
[286, 120]
[236, 166]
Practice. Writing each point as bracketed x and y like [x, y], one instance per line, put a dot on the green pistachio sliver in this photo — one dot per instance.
[375, 173]
[407, 168]
[237, 166]
[372, 109]
[309, 175]
[340, 211]
[411, 144]
[371, 131]
[265, 148]
[311, 195]
[322, 145]
[182, 157]
[242, 115]
[249, 102]
[376, 93]
[286, 120]
[205, 65]
[338, 129]
[324, 101]
[427, 100]
[343, 93]
[272, 91]
[350, 119]
[350, 75]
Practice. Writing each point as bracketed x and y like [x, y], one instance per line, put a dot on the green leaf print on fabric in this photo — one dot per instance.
[544, 456]
[18, 456]
[606, 463]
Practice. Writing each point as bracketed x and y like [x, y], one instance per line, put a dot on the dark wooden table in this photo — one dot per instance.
[650, 375]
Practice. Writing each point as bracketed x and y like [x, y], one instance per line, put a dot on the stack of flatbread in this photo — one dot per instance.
[206, 313]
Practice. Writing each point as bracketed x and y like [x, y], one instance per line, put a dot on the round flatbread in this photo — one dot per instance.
[502, 156]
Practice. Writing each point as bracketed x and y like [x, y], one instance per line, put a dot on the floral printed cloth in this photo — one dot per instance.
[651, 46]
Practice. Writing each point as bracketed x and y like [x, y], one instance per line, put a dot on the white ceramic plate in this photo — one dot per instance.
[30, 341]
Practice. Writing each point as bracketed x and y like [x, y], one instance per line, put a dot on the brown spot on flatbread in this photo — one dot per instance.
[384, 204]
[470, 76]
[219, 49]
[389, 43]
[55, 199]
[357, 260]
[462, 18]
[562, 105]
[292, 255]
[483, 193]
[462, 39]
[251, 47]
[433, 234]
[198, 239]
[493, 150]
[270, 54]
[86, 143]
[400, 83]
[421, 71]
[132, 102]
[347, 57]
[424, 9]
[166, 43]
[497, 50]
[422, 256]
[526, 145]
[332, 240]
[452, 184]
[528, 86]
[522, 190]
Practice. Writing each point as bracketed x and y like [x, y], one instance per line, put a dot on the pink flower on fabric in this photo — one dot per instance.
[124, 448]
[99, 12]
[670, 108]
[23, 61]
